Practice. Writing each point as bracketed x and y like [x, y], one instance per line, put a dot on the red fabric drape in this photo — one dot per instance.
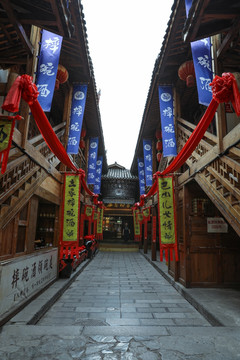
[24, 87]
[224, 89]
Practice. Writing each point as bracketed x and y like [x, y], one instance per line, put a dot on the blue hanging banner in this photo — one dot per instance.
[77, 113]
[202, 59]
[92, 160]
[47, 68]
[141, 176]
[97, 185]
[147, 154]
[167, 121]
[188, 4]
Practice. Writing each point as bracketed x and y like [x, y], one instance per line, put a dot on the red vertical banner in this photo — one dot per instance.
[167, 217]
[154, 229]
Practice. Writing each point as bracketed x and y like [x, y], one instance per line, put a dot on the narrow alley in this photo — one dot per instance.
[118, 307]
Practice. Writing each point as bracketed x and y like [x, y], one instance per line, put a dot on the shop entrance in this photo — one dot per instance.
[113, 227]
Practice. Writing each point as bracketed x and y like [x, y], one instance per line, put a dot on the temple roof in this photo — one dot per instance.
[116, 171]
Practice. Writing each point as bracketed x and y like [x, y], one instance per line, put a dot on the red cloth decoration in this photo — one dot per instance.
[24, 87]
[5, 152]
[224, 89]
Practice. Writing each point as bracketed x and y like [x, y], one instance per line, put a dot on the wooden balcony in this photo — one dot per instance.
[216, 171]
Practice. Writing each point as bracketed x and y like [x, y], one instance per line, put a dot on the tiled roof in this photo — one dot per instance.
[118, 172]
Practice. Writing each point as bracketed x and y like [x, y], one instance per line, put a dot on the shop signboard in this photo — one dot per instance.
[23, 277]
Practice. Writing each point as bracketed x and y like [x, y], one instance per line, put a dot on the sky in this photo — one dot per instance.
[124, 38]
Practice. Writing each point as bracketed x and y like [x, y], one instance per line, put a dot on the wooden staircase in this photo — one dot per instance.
[217, 172]
[25, 172]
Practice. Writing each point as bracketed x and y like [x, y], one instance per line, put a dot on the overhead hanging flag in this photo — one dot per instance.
[147, 153]
[167, 121]
[188, 4]
[77, 113]
[97, 185]
[47, 68]
[92, 160]
[141, 176]
[166, 218]
[202, 59]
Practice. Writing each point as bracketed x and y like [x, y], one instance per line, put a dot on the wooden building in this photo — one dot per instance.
[207, 185]
[119, 193]
[31, 189]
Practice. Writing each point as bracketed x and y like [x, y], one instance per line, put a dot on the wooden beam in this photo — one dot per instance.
[228, 38]
[18, 27]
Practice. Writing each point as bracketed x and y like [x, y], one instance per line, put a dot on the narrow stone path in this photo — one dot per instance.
[119, 289]
[120, 308]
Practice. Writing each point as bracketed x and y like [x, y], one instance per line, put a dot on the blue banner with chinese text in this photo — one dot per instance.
[97, 185]
[147, 153]
[202, 59]
[92, 160]
[77, 113]
[167, 120]
[141, 176]
[47, 68]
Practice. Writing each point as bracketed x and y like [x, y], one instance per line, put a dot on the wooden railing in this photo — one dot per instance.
[27, 170]
[218, 173]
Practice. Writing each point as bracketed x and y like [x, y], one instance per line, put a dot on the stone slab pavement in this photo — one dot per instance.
[118, 307]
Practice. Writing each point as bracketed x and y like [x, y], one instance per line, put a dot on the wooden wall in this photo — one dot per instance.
[205, 259]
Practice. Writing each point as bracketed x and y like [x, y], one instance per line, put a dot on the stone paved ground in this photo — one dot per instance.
[120, 307]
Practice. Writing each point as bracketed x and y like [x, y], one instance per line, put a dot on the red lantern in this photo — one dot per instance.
[82, 144]
[158, 134]
[83, 133]
[62, 76]
[159, 156]
[159, 145]
[186, 73]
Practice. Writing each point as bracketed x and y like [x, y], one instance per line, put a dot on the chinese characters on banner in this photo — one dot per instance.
[47, 68]
[147, 152]
[97, 185]
[88, 211]
[100, 224]
[167, 121]
[166, 215]
[137, 231]
[201, 53]
[202, 59]
[92, 160]
[77, 112]
[141, 176]
[72, 187]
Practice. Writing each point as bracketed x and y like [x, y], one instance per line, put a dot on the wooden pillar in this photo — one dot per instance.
[221, 124]
[30, 70]
[66, 119]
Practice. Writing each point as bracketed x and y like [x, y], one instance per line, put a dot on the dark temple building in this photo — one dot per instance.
[119, 193]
